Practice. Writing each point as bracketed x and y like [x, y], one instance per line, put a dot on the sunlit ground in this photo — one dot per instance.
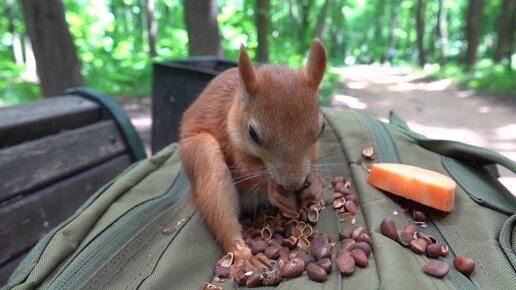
[436, 109]
[139, 110]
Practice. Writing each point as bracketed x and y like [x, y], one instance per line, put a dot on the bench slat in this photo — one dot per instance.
[46, 117]
[24, 222]
[28, 166]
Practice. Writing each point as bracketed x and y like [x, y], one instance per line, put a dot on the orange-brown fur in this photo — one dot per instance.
[217, 150]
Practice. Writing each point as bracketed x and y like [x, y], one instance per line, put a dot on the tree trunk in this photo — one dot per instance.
[16, 39]
[128, 21]
[56, 60]
[203, 30]
[337, 31]
[420, 30]
[139, 24]
[378, 25]
[394, 23]
[321, 21]
[152, 27]
[506, 27]
[472, 31]
[262, 25]
[294, 14]
[166, 11]
[441, 32]
[306, 7]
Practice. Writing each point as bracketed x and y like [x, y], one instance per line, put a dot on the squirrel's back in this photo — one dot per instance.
[209, 111]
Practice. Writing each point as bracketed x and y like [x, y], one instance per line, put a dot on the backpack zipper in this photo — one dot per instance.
[94, 256]
[387, 153]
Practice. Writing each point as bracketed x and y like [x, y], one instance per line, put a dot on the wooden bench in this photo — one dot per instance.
[54, 154]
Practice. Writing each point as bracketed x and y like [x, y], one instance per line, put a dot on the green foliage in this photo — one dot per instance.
[236, 28]
[13, 89]
[112, 42]
[112, 45]
[486, 76]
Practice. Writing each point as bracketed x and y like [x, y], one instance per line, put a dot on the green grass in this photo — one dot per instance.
[18, 92]
[113, 80]
[13, 89]
[120, 80]
[130, 81]
[486, 76]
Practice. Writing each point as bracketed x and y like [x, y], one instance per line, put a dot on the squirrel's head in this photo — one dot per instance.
[280, 120]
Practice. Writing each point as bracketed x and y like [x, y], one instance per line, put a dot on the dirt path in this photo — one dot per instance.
[436, 109]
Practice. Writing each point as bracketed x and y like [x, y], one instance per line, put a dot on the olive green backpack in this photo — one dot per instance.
[141, 230]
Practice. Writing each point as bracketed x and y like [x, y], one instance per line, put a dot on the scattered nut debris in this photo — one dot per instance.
[368, 153]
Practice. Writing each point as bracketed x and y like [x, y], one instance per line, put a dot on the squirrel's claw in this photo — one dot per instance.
[286, 204]
[240, 251]
[313, 192]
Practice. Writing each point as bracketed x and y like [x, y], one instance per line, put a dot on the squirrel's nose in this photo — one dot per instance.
[293, 182]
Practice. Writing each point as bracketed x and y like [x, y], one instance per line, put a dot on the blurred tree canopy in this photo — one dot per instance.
[117, 40]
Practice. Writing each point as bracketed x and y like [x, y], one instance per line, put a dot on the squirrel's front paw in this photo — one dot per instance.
[240, 251]
[286, 204]
[314, 191]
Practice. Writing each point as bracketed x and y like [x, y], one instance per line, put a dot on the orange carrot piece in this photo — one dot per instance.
[420, 185]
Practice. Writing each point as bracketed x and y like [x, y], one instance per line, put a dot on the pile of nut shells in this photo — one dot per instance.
[422, 243]
[282, 248]
[285, 247]
[343, 199]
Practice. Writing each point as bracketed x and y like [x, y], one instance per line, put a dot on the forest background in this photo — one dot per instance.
[49, 45]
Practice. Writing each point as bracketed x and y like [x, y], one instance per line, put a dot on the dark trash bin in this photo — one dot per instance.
[176, 84]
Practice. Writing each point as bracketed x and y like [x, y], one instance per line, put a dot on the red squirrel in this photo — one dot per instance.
[258, 126]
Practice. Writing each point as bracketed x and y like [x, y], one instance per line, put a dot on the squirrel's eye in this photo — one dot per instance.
[253, 135]
[322, 128]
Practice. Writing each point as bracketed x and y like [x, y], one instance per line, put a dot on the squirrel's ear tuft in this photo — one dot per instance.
[247, 72]
[316, 64]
